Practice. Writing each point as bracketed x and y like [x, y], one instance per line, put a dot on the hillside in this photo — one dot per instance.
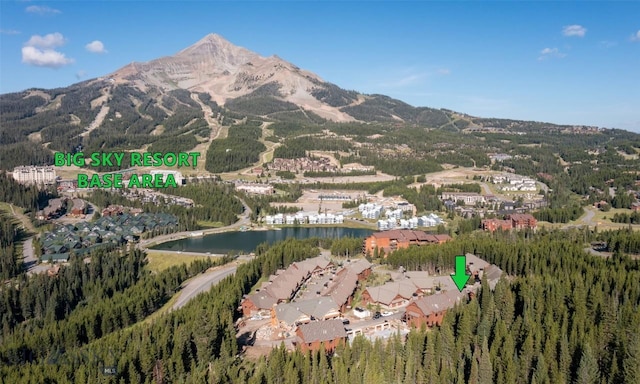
[187, 100]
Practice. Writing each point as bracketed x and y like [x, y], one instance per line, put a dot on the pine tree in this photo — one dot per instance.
[631, 362]
[485, 371]
[588, 372]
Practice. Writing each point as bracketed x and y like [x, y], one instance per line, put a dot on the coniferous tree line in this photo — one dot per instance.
[397, 165]
[40, 298]
[621, 241]
[52, 326]
[251, 129]
[633, 218]
[232, 154]
[562, 316]
[201, 331]
[10, 235]
[29, 197]
[370, 187]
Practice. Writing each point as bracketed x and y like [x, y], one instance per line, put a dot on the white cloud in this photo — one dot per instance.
[44, 57]
[636, 36]
[444, 71]
[574, 30]
[42, 10]
[9, 32]
[81, 74]
[38, 51]
[95, 46]
[550, 52]
[50, 40]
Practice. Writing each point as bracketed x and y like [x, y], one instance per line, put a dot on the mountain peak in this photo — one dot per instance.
[227, 71]
[216, 46]
[212, 38]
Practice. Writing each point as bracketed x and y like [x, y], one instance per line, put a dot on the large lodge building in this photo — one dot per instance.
[389, 241]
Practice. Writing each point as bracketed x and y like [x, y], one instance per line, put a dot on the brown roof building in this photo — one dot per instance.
[311, 336]
[390, 241]
[79, 207]
[523, 221]
[391, 295]
[284, 285]
[430, 310]
[513, 221]
[345, 284]
[493, 225]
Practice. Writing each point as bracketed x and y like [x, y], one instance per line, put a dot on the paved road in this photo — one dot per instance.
[30, 261]
[588, 217]
[203, 283]
[487, 190]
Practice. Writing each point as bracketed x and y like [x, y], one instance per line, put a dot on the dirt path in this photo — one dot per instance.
[97, 121]
[208, 117]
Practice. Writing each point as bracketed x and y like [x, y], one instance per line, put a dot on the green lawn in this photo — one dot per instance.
[210, 224]
[159, 261]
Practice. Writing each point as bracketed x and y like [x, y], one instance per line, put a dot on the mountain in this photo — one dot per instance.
[238, 78]
[185, 100]
[225, 71]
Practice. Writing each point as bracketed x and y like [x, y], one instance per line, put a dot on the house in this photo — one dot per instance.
[55, 258]
[361, 267]
[257, 301]
[288, 315]
[509, 206]
[344, 285]
[635, 207]
[391, 295]
[430, 310]
[392, 240]
[79, 207]
[329, 333]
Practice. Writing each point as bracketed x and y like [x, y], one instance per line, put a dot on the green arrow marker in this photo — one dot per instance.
[460, 277]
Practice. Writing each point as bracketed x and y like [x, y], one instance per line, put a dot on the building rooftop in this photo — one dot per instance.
[322, 331]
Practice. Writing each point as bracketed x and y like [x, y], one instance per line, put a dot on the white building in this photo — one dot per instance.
[405, 206]
[165, 172]
[277, 219]
[387, 224]
[430, 220]
[257, 189]
[370, 210]
[35, 175]
[395, 214]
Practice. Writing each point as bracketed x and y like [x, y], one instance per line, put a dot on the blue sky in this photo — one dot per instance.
[561, 62]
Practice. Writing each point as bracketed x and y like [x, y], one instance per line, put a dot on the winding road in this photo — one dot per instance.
[203, 283]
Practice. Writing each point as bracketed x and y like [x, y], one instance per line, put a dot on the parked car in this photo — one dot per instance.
[377, 315]
[386, 313]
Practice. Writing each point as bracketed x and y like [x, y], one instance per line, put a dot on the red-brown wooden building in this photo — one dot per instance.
[329, 333]
[430, 310]
[395, 239]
